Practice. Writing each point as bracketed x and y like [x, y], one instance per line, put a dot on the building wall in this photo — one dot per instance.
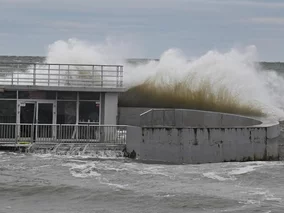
[109, 108]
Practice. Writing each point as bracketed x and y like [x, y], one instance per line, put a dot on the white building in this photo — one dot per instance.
[57, 101]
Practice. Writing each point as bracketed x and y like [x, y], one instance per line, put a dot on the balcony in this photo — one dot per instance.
[54, 76]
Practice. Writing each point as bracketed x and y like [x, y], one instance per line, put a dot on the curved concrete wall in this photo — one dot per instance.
[193, 118]
[179, 117]
[130, 115]
[212, 142]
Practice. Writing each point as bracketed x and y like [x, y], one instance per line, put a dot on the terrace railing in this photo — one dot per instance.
[61, 133]
[61, 75]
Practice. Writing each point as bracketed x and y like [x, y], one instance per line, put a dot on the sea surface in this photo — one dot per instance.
[34, 183]
[104, 183]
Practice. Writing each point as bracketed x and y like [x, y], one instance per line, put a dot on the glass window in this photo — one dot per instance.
[8, 94]
[89, 96]
[8, 111]
[66, 112]
[89, 111]
[50, 95]
[67, 95]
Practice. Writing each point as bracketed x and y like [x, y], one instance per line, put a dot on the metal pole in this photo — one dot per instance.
[68, 75]
[102, 76]
[93, 74]
[13, 76]
[117, 76]
[59, 75]
[34, 75]
[48, 74]
[121, 76]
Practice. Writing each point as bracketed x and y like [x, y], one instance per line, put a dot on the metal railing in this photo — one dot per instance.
[61, 75]
[61, 133]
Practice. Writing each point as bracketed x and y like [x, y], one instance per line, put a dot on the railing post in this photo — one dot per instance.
[102, 134]
[12, 77]
[16, 133]
[102, 76]
[48, 75]
[59, 75]
[18, 76]
[68, 74]
[121, 76]
[93, 74]
[117, 76]
[34, 75]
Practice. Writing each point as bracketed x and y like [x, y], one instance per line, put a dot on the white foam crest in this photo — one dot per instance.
[104, 154]
[82, 170]
[74, 51]
[115, 185]
[244, 170]
[235, 69]
[215, 176]
[264, 194]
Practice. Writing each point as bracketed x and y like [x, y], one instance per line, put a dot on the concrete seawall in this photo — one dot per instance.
[130, 115]
[191, 136]
[179, 117]
[193, 118]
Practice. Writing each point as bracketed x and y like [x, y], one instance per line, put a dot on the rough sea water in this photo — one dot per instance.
[33, 183]
[104, 182]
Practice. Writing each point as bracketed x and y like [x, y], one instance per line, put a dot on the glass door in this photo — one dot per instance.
[27, 120]
[37, 119]
[45, 120]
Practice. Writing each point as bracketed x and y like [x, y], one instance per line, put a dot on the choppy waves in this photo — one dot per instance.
[97, 183]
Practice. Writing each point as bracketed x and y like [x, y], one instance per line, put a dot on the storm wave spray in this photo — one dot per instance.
[236, 70]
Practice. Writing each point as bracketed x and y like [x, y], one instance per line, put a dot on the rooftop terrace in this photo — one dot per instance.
[61, 76]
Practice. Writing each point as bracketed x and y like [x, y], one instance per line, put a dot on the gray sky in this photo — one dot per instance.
[27, 27]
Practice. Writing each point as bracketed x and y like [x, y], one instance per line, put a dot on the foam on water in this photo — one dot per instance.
[215, 176]
[118, 185]
[244, 170]
[83, 170]
[226, 174]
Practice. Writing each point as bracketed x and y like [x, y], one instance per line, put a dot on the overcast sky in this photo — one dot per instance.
[27, 27]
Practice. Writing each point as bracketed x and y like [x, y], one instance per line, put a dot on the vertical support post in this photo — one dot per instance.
[121, 76]
[18, 75]
[34, 75]
[102, 76]
[102, 134]
[16, 133]
[77, 109]
[13, 76]
[59, 75]
[117, 76]
[68, 74]
[77, 116]
[93, 75]
[48, 74]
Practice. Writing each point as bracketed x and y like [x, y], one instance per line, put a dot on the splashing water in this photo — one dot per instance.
[235, 70]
